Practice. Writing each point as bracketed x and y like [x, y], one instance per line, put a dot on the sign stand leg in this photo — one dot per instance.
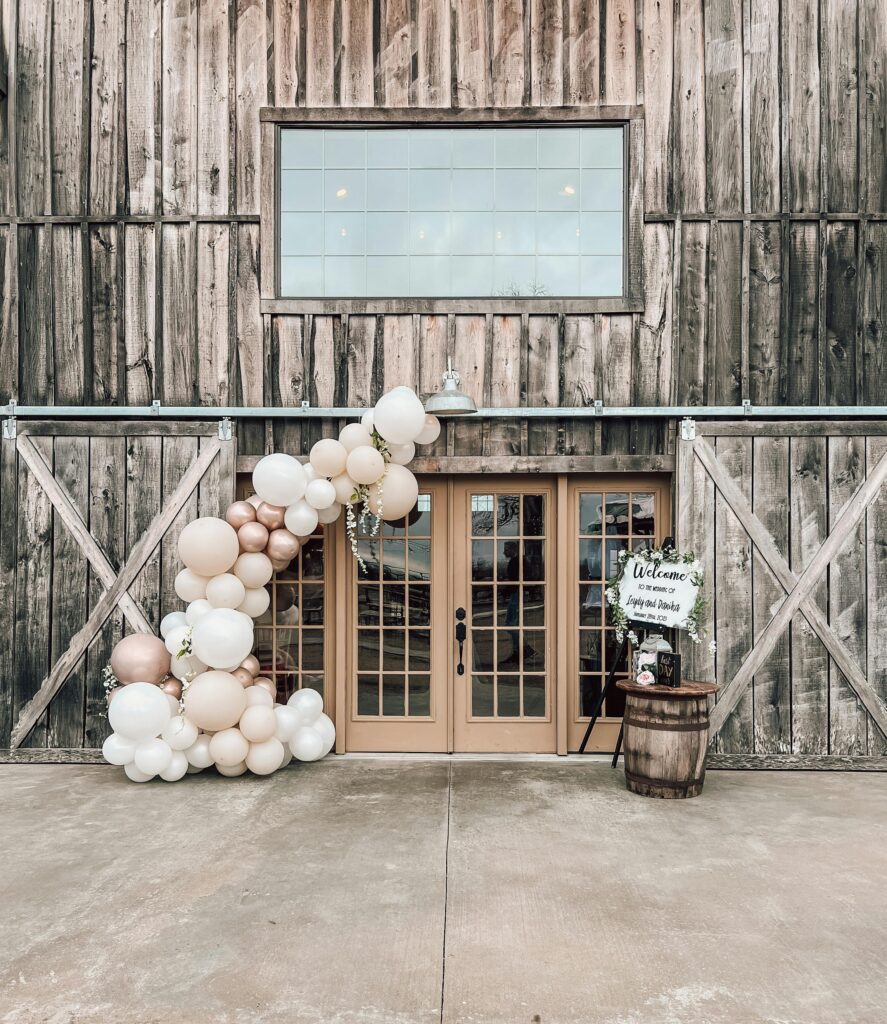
[595, 715]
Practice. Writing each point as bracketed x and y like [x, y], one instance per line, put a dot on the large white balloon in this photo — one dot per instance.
[180, 733]
[190, 587]
[208, 546]
[177, 767]
[196, 610]
[328, 457]
[300, 518]
[198, 753]
[222, 638]
[225, 591]
[307, 744]
[279, 479]
[153, 756]
[430, 431]
[399, 416]
[365, 464]
[118, 749]
[400, 489]
[308, 703]
[253, 569]
[174, 620]
[366, 421]
[329, 515]
[320, 494]
[139, 711]
[353, 435]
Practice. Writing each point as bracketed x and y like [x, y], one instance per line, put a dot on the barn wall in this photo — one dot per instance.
[129, 189]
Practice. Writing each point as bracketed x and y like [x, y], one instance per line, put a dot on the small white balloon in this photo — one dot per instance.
[310, 473]
[177, 767]
[255, 602]
[196, 610]
[180, 733]
[353, 435]
[366, 421]
[189, 586]
[174, 706]
[176, 637]
[135, 774]
[175, 620]
[430, 431]
[265, 758]
[188, 665]
[325, 516]
[139, 711]
[233, 771]
[344, 487]
[307, 744]
[300, 518]
[320, 494]
[401, 454]
[118, 750]
[198, 753]
[152, 756]
[308, 703]
[288, 720]
[324, 725]
[279, 479]
[225, 591]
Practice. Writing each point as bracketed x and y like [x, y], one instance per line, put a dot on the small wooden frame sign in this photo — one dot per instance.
[668, 669]
[663, 593]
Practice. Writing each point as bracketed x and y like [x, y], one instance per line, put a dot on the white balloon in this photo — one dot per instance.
[308, 703]
[222, 638]
[353, 435]
[172, 621]
[365, 464]
[279, 479]
[180, 733]
[258, 723]
[188, 665]
[152, 756]
[196, 610]
[320, 494]
[265, 758]
[328, 457]
[325, 516]
[189, 586]
[255, 602]
[232, 772]
[228, 747]
[288, 720]
[310, 473]
[366, 421]
[258, 695]
[430, 431]
[288, 755]
[177, 767]
[175, 638]
[139, 711]
[307, 744]
[399, 416]
[135, 774]
[253, 569]
[344, 487]
[324, 725]
[300, 518]
[174, 706]
[198, 753]
[401, 454]
[400, 489]
[118, 749]
[225, 591]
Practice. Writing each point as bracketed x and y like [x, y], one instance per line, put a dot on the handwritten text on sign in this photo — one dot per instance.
[662, 593]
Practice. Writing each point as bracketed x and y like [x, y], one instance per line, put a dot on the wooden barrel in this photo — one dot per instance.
[666, 738]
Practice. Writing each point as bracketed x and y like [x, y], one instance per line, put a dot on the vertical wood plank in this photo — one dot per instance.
[178, 453]
[582, 347]
[106, 97]
[764, 110]
[361, 362]
[356, 88]
[432, 347]
[144, 490]
[36, 365]
[469, 357]
[652, 379]
[472, 86]
[66, 129]
[800, 78]
[179, 129]
[395, 53]
[179, 313]
[692, 314]
[324, 357]
[320, 63]
[658, 36]
[615, 378]
[620, 48]
[546, 53]
[842, 276]
[139, 286]
[873, 99]
[9, 356]
[399, 365]
[582, 53]
[510, 54]
[32, 143]
[543, 380]
[104, 304]
[431, 87]
[876, 589]
[213, 251]
[801, 375]
[764, 313]
[874, 326]
[840, 104]
[213, 137]
[503, 438]
[68, 343]
[726, 309]
[252, 92]
[808, 524]
[8, 17]
[289, 71]
[9, 513]
[723, 103]
[143, 88]
[689, 113]
[287, 379]
[250, 334]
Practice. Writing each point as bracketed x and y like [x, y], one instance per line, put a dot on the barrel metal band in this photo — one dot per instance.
[639, 723]
[644, 780]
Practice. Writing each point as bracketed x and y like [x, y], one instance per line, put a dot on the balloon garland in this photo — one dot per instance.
[196, 698]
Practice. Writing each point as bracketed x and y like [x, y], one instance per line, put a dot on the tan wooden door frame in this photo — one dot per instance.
[798, 587]
[116, 584]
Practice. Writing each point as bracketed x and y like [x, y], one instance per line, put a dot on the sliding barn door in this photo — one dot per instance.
[91, 514]
[790, 522]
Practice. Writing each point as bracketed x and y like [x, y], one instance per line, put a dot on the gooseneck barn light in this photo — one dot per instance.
[451, 401]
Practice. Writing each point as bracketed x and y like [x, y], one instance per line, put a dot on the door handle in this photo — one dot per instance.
[461, 634]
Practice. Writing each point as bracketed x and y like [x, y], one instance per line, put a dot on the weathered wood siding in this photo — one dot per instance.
[129, 192]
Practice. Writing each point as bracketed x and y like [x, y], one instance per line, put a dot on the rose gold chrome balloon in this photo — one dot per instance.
[282, 545]
[140, 658]
[251, 664]
[266, 684]
[252, 537]
[243, 676]
[240, 513]
[173, 687]
[270, 516]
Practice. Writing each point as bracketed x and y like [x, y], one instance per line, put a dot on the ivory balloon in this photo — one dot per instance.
[196, 610]
[228, 747]
[301, 519]
[177, 767]
[176, 638]
[180, 733]
[251, 664]
[152, 756]
[225, 591]
[288, 720]
[186, 666]
[283, 544]
[215, 701]
[328, 457]
[139, 711]
[222, 638]
[271, 516]
[174, 706]
[344, 487]
[430, 431]
[353, 435]
[135, 774]
[325, 516]
[170, 622]
[401, 454]
[189, 586]
[278, 479]
[255, 603]
[324, 725]
[264, 758]
[365, 464]
[118, 749]
[239, 514]
[252, 537]
[233, 772]
[307, 744]
[253, 569]
[400, 489]
[308, 703]
[399, 416]
[258, 696]
[310, 473]
[140, 657]
[258, 723]
[366, 421]
[320, 494]
[208, 546]
[198, 753]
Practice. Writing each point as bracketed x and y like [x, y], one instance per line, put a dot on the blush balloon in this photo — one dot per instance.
[243, 676]
[328, 457]
[140, 657]
[365, 464]
[301, 519]
[430, 431]
[320, 494]
[225, 591]
[208, 546]
[228, 747]
[325, 516]
[239, 514]
[258, 695]
[344, 487]
[257, 723]
[252, 537]
[271, 516]
[215, 701]
[265, 758]
[353, 435]
[189, 586]
[254, 604]
[253, 569]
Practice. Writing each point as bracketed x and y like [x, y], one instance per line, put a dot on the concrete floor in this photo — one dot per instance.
[406, 892]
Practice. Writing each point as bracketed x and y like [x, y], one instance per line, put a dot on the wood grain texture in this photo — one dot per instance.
[840, 121]
[874, 323]
[765, 310]
[252, 93]
[764, 113]
[692, 309]
[67, 320]
[106, 185]
[620, 49]
[213, 266]
[725, 322]
[139, 292]
[179, 128]
[689, 106]
[873, 100]
[876, 592]
[105, 303]
[803, 99]
[213, 117]
[841, 325]
[143, 98]
[179, 352]
[65, 115]
[582, 52]
[394, 60]
[723, 103]
[472, 83]
[801, 331]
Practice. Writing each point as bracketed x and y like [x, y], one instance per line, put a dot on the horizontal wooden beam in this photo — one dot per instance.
[548, 464]
[543, 305]
[116, 428]
[790, 428]
[449, 115]
[795, 762]
[776, 215]
[131, 218]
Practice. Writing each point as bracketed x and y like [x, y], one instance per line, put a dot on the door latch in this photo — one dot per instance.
[461, 634]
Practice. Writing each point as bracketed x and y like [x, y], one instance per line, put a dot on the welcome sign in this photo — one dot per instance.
[658, 592]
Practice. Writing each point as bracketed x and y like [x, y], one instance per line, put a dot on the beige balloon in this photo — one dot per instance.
[259, 695]
[240, 513]
[225, 591]
[208, 546]
[265, 758]
[344, 487]
[258, 723]
[365, 464]
[400, 489]
[191, 587]
[232, 773]
[252, 537]
[353, 435]
[328, 457]
[140, 658]
[325, 516]
[255, 602]
[228, 747]
[214, 701]
[253, 569]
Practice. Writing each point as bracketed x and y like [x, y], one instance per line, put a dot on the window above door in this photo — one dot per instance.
[452, 211]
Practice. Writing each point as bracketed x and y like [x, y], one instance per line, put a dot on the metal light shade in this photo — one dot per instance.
[450, 401]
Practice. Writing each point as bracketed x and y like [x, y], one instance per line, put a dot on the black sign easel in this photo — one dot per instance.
[633, 624]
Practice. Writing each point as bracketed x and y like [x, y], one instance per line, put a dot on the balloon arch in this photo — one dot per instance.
[196, 698]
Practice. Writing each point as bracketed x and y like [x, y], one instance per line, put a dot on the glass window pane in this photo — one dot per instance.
[643, 510]
[591, 606]
[312, 650]
[420, 605]
[393, 695]
[617, 515]
[507, 605]
[482, 606]
[590, 659]
[393, 604]
[534, 515]
[368, 695]
[534, 559]
[482, 515]
[508, 693]
[368, 650]
[302, 148]
[481, 560]
[533, 649]
[482, 641]
[344, 147]
[534, 606]
[393, 650]
[589, 694]
[534, 696]
[482, 696]
[420, 650]
[419, 696]
[508, 516]
[394, 560]
[368, 605]
[589, 560]
[590, 506]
